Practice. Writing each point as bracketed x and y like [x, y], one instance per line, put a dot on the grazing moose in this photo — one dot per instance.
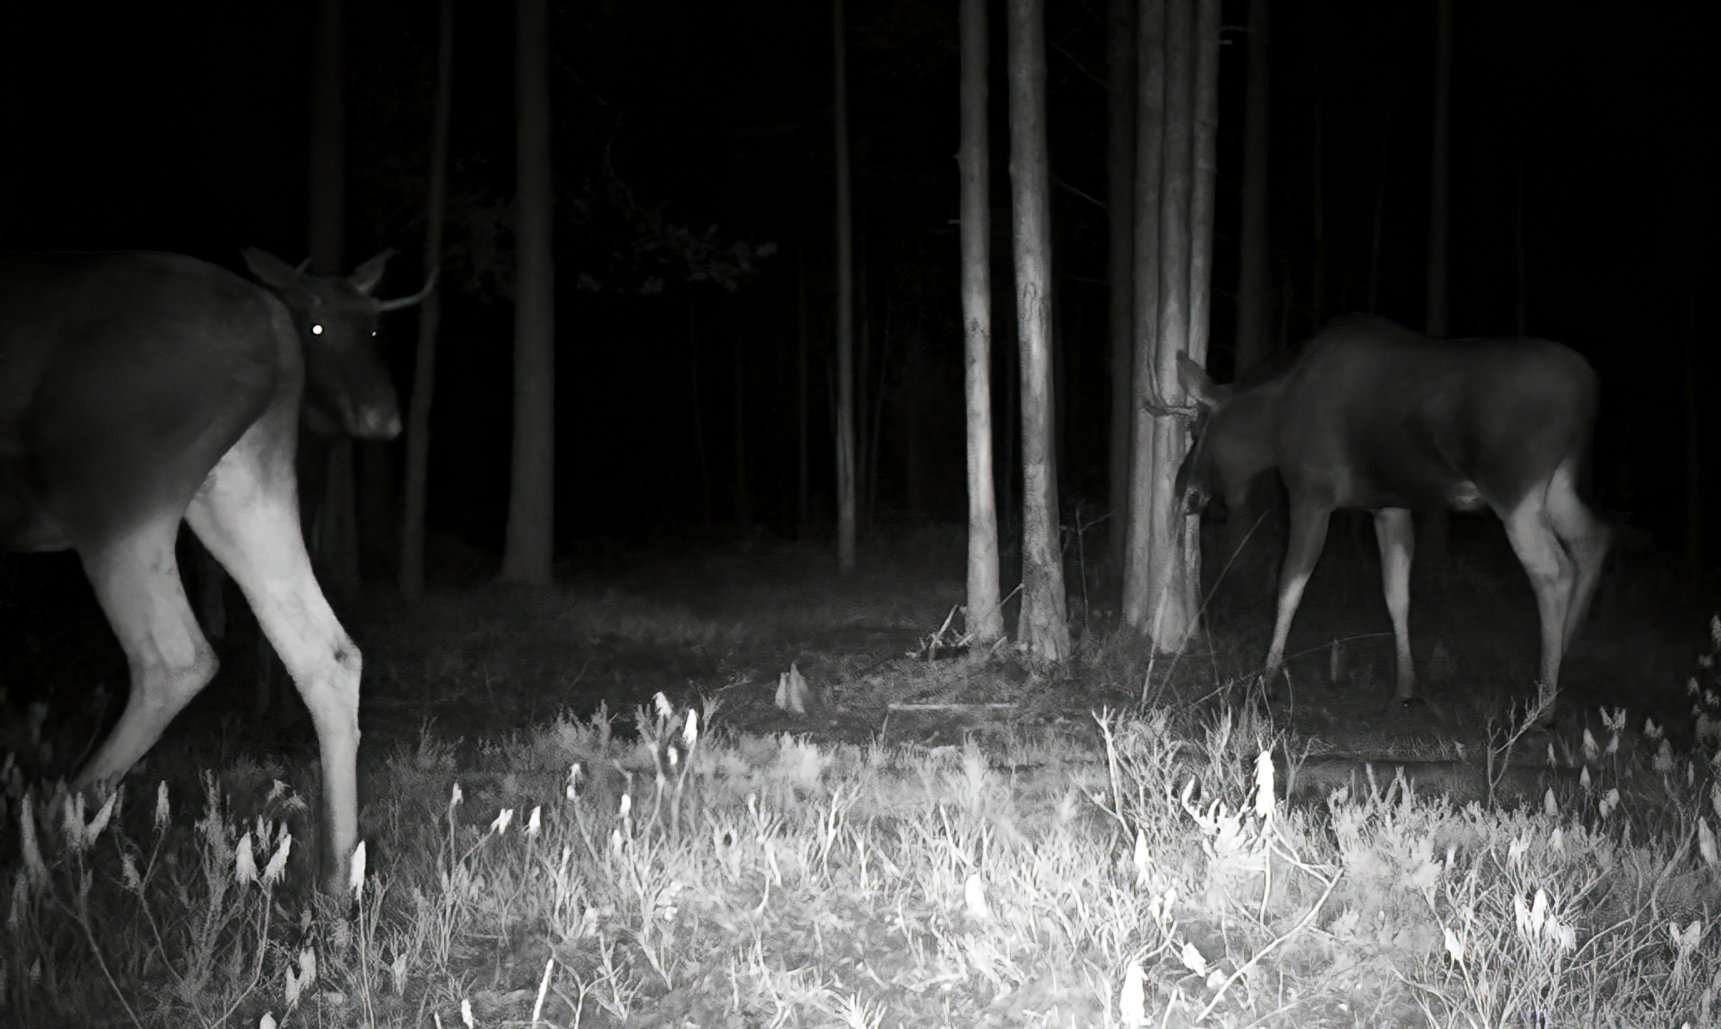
[140, 389]
[1374, 416]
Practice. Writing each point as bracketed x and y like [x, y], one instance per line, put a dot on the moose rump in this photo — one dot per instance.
[1376, 417]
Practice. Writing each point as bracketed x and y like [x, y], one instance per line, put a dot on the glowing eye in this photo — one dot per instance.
[316, 329]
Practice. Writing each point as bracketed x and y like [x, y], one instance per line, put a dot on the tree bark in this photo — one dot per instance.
[328, 142]
[328, 463]
[1435, 526]
[527, 549]
[741, 499]
[1253, 335]
[1171, 587]
[1043, 629]
[845, 421]
[803, 480]
[1439, 215]
[1149, 166]
[985, 618]
[1120, 220]
[1374, 239]
[429, 319]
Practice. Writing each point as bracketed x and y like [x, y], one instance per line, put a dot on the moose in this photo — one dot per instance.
[1374, 416]
[138, 390]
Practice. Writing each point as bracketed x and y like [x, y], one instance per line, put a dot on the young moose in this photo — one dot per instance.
[1374, 416]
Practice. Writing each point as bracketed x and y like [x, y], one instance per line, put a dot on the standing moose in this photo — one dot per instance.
[1374, 416]
[137, 390]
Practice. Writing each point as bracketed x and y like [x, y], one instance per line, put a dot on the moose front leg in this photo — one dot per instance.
[1308, 536]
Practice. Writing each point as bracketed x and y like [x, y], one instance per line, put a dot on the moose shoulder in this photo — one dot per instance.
[1376, 417]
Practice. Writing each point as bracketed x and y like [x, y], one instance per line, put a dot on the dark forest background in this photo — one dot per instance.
[692, 161]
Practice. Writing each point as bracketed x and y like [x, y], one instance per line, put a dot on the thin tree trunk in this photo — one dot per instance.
[917, 396]
[1374, 242]
[1205, 163]
[845, 420]
[1120, 238]
[1138, 598]
[1204, 166]
[1254, 296]
[1439, 214]
[1043, 629]
[743, 503]
[1694, 405]
[874, 438]
[1253, 343]
[1172, 593]
[1435, 526]
[330, 461]
[328, 142]
[803, 481]
[1318, 216]
[526, 552]
[1520, 262]
[429, 319]
[699, 447]
[985, 618]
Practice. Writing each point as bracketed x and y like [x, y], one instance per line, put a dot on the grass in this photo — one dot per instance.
[1112, 868]
[573, 878]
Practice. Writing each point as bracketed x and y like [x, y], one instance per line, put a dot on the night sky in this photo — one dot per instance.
[183, 128]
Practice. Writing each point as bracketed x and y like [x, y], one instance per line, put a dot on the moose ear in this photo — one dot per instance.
[269, 269]
[368, 275]
[1196, 380]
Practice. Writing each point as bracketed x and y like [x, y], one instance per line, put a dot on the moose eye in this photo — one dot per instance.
[316, 329]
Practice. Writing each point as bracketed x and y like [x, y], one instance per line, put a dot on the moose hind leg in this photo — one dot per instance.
[1587, 539]
[136, 581]
[1552, 576]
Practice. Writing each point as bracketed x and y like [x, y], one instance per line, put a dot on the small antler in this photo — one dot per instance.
[397, 304]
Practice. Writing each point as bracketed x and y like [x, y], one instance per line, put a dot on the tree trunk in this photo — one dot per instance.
[328, 142]
[1043, 629]
[329, 462]
[699, 447]
[1204, 166]
[1138, 598]
[1520, 263]
[1318, 220]
[526, 551]
[1435, 526]
[873, 441]
[1695, 525]
[985, 618]
[1439, 215]
[803, 481]
[1120, 238]
[919, 394]
[1374, 239]
[845, 420]
[742, 509]
[1253, 339]
[429, 319]
[1255, 336]
[1172, 588]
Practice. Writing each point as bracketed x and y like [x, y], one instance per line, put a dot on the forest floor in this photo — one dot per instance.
[936, 837]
